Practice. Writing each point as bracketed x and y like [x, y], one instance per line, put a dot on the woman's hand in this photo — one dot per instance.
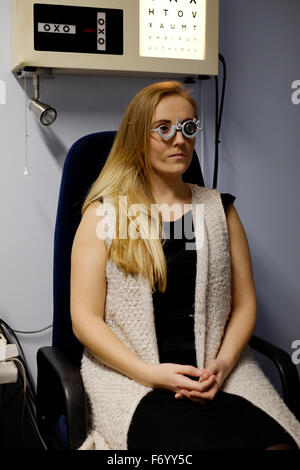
[174, 377]
[217, 368]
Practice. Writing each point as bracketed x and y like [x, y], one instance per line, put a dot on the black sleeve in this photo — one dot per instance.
[227, 199]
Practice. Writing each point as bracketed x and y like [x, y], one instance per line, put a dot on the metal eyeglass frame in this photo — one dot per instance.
[179, 127]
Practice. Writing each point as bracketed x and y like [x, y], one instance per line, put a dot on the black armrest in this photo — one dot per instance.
[287, 370]
[54, 370]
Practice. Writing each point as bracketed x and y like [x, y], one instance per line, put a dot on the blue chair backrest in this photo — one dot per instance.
[82, 166]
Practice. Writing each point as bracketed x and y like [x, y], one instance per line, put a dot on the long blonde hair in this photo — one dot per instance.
[125, 174]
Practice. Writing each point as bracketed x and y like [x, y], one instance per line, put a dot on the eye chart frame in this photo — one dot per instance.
[120, 48]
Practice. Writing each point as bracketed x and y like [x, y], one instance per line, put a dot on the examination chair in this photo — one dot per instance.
[62, 411]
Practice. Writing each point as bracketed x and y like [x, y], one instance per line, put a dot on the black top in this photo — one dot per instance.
[174, 309]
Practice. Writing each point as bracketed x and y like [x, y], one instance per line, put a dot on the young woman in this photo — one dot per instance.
[166, 319]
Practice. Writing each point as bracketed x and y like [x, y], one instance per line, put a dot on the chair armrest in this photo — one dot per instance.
[59, 384]
[287, 370]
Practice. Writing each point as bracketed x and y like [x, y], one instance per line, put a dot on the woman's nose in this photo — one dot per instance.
[179, 137]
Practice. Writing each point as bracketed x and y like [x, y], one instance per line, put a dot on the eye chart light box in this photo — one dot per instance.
[140, 37]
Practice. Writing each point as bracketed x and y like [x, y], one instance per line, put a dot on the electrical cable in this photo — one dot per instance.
[9, 332]
[222, 60]
[24, 387]
[15, 359]
[32, 332]
[218, 117]
[28, 387]
[203, 127]
[216, 133]
[33, 420]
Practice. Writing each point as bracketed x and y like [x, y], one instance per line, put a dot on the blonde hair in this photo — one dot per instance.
[125, 174]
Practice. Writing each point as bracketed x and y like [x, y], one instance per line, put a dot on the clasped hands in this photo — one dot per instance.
[176, 377]
[211, 379]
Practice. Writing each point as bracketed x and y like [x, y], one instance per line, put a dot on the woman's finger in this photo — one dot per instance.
[178, 395]
[204, 375]
[201, 386]
[209, 394]
[190, 384]
[207, 383]
[210, 388]
[188, 395]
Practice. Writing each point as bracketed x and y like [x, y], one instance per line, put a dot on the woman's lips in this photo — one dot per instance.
[177, 156]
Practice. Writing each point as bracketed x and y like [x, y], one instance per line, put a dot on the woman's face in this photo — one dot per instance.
[172, 156]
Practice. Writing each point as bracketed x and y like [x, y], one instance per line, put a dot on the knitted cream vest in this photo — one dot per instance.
[129, 313]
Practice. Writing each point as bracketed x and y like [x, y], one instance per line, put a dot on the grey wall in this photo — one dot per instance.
[259, 164]
[260, 154]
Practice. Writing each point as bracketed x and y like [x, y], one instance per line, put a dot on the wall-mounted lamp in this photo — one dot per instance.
[45, 113]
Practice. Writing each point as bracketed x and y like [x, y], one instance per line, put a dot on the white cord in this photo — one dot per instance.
[26, 170]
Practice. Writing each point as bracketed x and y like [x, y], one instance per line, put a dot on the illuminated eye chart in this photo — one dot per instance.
[173, 29]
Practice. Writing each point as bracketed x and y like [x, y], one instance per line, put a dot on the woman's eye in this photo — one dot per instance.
[164, 129]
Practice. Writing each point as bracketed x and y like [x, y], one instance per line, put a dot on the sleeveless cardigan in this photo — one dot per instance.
[113, 397]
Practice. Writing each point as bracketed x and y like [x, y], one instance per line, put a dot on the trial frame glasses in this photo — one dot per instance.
[189, 129]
